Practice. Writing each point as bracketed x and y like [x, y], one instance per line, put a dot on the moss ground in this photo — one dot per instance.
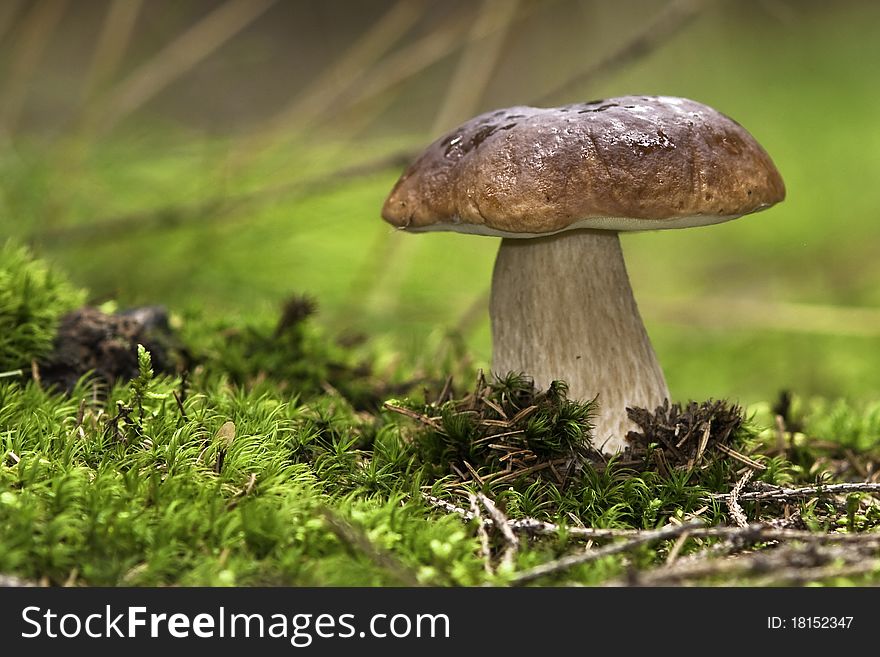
[275, 460]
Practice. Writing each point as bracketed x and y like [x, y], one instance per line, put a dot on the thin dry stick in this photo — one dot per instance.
[535, 527]
[392, 71]
[375, 267]
[110, 46]
[357, 540]
[508, 558]
[672, 18]
[336, 146]
[761, 532]
[782, 494]
[310, 104]
[754, 532]
[36, 32]
[704, 440]
[179, 57]
[476, 63]
[692, 561]
[565, 563]
[403, 64]
[107, 57]
[757, 313]
[798, 576]
[736, 511]
[13, 581]
[498, 477]
[676, 548]
[409, 61]
[780, 435]
[11, 373]
[366, 50]
[703, 565]
[742, 458]
[383, 76]
[413, 415]
[482, 534]
[449, 507]
[214, 210]
[474, 314]
[784, 316]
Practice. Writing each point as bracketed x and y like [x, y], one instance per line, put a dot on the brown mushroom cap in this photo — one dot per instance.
[629, 163]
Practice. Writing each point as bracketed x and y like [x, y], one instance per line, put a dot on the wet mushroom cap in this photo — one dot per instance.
[628, 163]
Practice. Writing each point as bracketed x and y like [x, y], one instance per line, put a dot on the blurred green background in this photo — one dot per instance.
[218, 156]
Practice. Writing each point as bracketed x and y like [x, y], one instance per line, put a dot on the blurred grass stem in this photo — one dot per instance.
[477, 62]
[110, 48]
[177, 58]
[325, 90]
[672, 18]
[37, 29]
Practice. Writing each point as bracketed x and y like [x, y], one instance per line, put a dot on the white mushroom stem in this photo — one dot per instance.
[562, 308]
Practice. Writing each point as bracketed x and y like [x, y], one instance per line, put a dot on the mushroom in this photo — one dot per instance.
[557, 185]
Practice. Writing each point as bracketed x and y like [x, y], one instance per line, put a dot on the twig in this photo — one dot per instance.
[11, 373]
[474, 474]
[214, 210]
[501, 522]
[80, 414]
[780, 434]
[110, 46]
[449, 507]
[853, 460]
[742, 458]
[476, 63]
[495, 407]
[758, 532]
[179, 56]
[799, 575]
[535, 527]
[565, 563]
[777, 563]
[13, 581]
[394, 69]
[482, 534]
[752, 533]
[180, 407]
[704, 440]
[71, 578]
[736, 511]
[418, 417]
[474, 314]
[672, 18]
[417, 56]
[445, 394]
[823, 319]
[36, 31]
[820, 490]
[526, 471]
[358, 541]
[311, 103]
[676, 548]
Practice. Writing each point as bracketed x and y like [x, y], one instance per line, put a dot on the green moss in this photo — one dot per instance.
[249, 472]
[33, 297]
